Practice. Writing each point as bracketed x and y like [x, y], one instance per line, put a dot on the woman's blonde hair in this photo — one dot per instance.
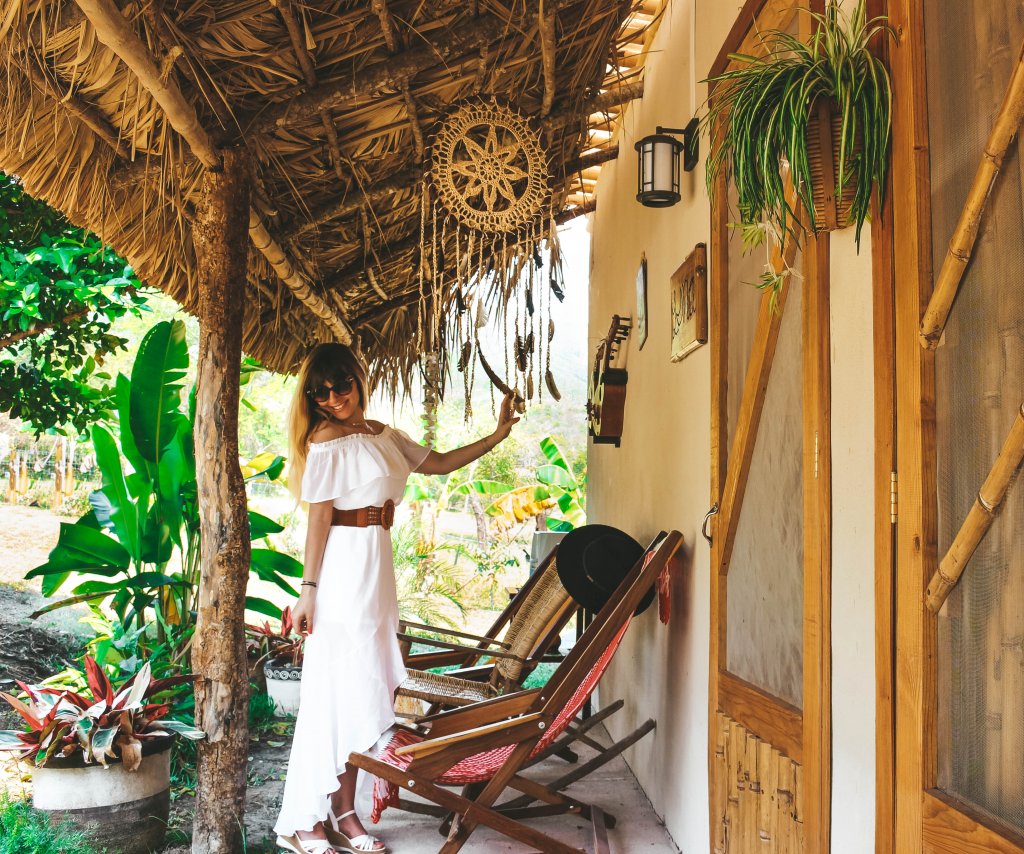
[333, 363]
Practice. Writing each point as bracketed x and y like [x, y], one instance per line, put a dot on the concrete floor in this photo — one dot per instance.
[613, 788]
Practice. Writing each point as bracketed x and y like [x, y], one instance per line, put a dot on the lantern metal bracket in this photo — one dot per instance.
[691, 145]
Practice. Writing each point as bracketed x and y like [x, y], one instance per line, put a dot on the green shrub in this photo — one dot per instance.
[23, 829]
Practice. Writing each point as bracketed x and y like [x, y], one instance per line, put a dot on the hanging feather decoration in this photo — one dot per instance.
[549, 381]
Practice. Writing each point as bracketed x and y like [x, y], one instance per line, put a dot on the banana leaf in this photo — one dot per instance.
[155, 399]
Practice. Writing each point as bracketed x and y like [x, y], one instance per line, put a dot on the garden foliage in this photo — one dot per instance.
[138, 548]
[99, 724]
[60, 290]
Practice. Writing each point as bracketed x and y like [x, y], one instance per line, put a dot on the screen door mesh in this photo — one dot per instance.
[971, 46]
[764, 625]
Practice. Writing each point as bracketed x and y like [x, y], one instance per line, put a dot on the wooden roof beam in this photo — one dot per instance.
[378, 191]
[85, 113]
[389, 75]
[546, 31]
[114, 31]
[302, 55]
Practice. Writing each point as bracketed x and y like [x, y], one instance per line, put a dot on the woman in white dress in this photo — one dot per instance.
[352, 472]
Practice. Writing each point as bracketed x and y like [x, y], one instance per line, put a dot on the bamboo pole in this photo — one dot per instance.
[786, 794]
[720, 791]
[961, 244]
[980, 517]
[767, 777]
[114, 31]
[734, 748]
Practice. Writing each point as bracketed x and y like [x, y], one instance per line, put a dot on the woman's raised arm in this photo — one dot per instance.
[446, 462]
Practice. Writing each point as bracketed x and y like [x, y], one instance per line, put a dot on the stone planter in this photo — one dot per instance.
[283, 682]
[119, 810]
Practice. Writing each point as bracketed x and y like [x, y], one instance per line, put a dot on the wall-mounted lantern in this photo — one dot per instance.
[658, 164]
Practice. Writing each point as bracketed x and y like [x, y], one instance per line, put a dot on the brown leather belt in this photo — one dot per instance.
[363, 517]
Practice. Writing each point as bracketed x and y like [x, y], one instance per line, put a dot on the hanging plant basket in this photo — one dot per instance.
[833, 206]
[822, 106]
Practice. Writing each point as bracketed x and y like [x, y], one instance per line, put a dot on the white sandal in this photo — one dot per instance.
[304, 846]
[362, 844]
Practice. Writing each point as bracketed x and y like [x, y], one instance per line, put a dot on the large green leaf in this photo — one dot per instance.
[481, 487]
[143, 474]
[176, 467]
[155, 400]
[553, 453]
[123, 511]
[273, 566]
[572, 510]
[144, 581]
[553, 475]
[81, 548]
[260, 526]
[262, 606]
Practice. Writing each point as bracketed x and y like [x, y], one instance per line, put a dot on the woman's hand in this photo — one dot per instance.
[506, 418]
[302, 612]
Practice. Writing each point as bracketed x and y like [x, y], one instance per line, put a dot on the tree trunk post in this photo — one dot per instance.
[218, 657]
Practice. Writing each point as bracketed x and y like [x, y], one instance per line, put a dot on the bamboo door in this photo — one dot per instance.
[769, 735]
[958, 193]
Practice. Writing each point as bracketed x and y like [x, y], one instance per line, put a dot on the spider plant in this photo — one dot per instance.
[759, 113]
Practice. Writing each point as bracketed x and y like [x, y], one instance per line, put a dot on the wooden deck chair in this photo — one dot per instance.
[485, 747]
[530, 630]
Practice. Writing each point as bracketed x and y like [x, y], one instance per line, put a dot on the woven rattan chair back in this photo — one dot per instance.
[544, 607]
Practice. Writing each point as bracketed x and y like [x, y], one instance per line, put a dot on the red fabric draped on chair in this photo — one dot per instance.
[482, 766]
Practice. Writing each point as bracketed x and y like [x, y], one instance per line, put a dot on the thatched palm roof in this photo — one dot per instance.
[336, 102]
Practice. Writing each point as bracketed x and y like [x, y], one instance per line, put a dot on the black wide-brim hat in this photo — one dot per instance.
[592, 562]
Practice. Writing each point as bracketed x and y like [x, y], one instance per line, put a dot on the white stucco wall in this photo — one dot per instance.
[659, 477]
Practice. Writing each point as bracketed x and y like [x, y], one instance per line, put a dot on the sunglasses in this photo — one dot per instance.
[323, 392]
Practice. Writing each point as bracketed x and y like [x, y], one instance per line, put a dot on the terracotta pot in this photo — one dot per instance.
[283, 682]
[119, 810]
[823, 145]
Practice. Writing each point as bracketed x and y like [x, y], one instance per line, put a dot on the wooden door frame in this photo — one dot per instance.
[926, 819]
[803, 735]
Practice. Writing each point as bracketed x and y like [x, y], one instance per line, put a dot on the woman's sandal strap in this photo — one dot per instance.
[305, 846]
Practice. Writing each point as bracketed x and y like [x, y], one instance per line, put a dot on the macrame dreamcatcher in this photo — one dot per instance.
[486, 223]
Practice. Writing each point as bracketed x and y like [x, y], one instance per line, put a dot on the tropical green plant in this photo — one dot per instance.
[558, 493]
[138, 548]
[760, 110]
[430, 590]
[60, 291]
[266, 641]
[24, 829]
[100, 723]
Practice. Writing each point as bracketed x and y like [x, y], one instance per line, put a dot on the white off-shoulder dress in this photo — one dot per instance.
[352, 663]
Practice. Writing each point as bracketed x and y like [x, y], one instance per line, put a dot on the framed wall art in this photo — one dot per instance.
[689, 304]
[641, 302]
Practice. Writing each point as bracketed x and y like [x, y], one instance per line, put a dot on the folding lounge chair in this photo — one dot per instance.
[485, 747]
[534, 621]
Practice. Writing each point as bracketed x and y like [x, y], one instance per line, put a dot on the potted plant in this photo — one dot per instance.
[279, 650]
[769, 112]
[101, 754]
